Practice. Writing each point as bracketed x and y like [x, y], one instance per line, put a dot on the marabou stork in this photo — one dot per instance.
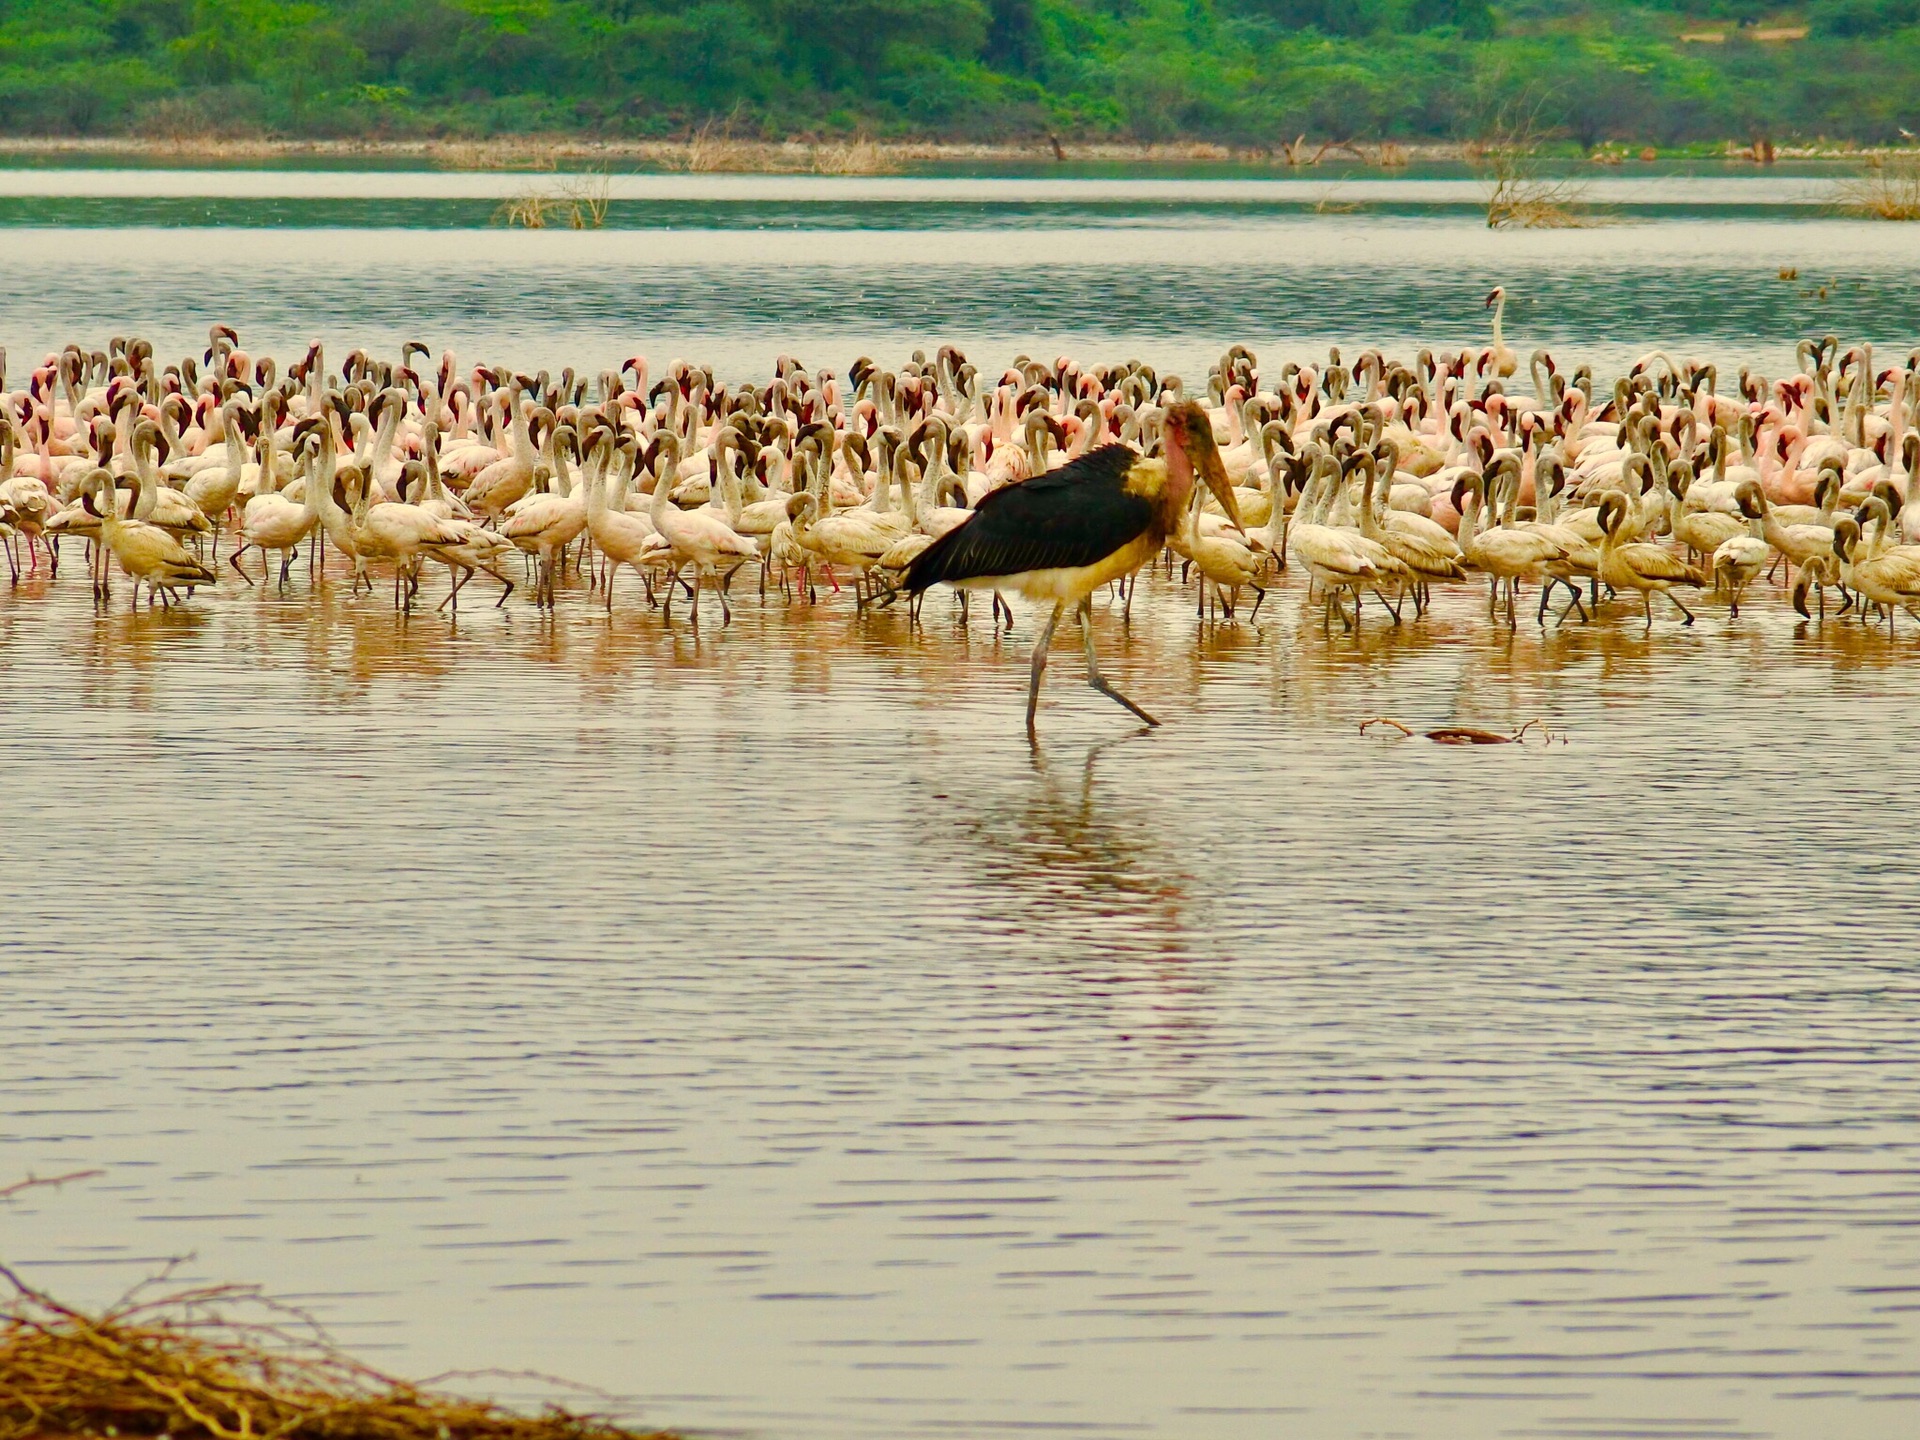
[1064, 533]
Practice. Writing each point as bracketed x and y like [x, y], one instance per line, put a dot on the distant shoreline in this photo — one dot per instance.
[719, 155]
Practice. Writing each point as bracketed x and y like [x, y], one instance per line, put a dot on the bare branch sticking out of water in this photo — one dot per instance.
[1518, 196]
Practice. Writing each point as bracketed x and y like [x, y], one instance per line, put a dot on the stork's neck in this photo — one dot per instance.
[1179, 473]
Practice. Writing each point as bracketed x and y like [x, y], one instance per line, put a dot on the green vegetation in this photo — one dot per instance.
[1239, 72]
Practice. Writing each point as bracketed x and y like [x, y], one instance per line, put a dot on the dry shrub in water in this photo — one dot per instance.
[587, 198]
[1534, 205]
[1888, 188]
[174, 1363]
[1517, 195]
[579, 202]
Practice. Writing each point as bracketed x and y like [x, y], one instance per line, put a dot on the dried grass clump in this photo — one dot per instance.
[172, 1363]
[861, 155]
[1888, 188]
[579, 202]
[712, 150]
[523, 152]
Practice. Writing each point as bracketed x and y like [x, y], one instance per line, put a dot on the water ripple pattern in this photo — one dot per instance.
[735, 271]
[747, 1023]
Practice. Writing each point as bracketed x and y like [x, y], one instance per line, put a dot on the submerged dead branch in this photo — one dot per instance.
[1467, 734]
[177, 1363]
[33, 1182]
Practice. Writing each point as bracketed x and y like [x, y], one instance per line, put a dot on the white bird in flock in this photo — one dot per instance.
[272, 522]
[1505, 362]
[1637, 565]
[145, 551]
[1738, 560]
[213, 488]
[1337, 558]
[856, 537]
[544, 525]
[507, 479]
[1506, 553]
[167, 508]
[25, 503]
[321, 488]
[622, 538]
[478, 549]
[700, 539]
[394, 531]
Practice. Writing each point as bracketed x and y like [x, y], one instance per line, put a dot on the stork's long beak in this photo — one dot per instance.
[1204, 455]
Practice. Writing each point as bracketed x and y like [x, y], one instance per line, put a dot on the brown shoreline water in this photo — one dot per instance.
[746, 1022]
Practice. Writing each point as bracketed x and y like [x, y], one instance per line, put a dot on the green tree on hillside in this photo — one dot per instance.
[1251, 72]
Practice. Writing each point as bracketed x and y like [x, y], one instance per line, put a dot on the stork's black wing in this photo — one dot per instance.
[1065, 518]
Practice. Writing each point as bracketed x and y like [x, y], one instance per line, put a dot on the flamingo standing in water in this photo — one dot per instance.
[697, 538]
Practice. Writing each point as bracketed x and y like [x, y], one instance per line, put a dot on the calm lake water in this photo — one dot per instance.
[749, 1024]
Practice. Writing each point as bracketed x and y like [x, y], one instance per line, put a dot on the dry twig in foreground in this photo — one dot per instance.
[174, 1363]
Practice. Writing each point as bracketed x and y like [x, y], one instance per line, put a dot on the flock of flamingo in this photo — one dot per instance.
[1374, 478]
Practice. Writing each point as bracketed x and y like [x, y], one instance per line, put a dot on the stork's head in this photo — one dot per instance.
[1191, 453]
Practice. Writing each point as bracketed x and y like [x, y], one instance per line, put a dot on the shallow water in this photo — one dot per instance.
[746, 1022]
[736, 270]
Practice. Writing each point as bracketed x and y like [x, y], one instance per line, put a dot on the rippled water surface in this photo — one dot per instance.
[747, 1023]
[737, 270]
